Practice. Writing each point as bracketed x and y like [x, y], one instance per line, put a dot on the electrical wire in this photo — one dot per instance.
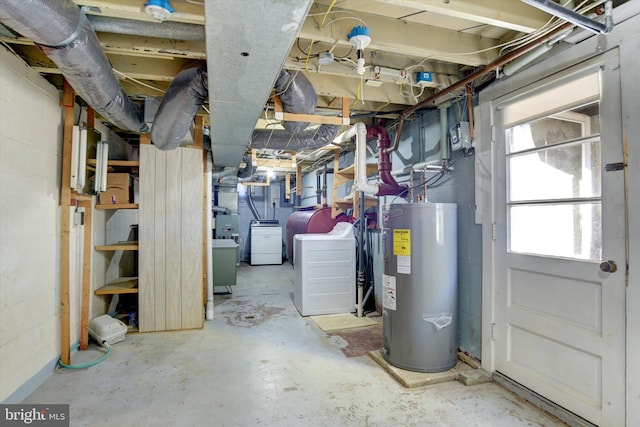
[128, 77]
[88, 364]
[342, 19]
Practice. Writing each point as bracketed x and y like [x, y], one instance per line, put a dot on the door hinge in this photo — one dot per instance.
[493, 231]
[493, 332]
[612, 167]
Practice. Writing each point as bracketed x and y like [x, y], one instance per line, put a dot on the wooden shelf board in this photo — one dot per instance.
[348, 203]
[349, 171]
[120, 163]
[120, 246]
[119, 206]
[124, 285]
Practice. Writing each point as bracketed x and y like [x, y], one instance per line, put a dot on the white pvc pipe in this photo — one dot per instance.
[209, 203]
[359, 130]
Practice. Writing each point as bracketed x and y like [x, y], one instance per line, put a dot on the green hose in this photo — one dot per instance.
[88, 364]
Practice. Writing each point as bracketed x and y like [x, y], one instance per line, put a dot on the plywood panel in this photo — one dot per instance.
[160, 189]
[172, 265]
[191, 253]
[146, 237]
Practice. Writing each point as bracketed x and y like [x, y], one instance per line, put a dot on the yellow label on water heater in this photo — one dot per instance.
[402, 242]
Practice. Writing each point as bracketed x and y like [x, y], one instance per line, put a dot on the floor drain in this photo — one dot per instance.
[249, 317]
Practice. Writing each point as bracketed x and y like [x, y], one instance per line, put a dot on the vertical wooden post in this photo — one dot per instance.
[65, 225]
[86, 272]
[299, 180]
[91, 117]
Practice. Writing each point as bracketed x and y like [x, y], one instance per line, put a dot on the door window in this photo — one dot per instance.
[553, 175]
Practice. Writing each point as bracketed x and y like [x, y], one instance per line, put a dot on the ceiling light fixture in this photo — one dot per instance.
[576, 18]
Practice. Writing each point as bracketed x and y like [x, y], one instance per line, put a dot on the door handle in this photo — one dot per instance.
[608, 266]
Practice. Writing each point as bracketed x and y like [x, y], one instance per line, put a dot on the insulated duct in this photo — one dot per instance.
[283, 140]
[165, 30]
[65, 35]
[189, 89]
[298, 97]
[184, 97]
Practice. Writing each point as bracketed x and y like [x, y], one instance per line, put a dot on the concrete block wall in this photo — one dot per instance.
[30, 152]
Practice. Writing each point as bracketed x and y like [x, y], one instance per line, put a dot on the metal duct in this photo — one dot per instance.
[283, 140]
[298, 97]
[66, 37]
[184, 97]
[247, 43]
[165, 30]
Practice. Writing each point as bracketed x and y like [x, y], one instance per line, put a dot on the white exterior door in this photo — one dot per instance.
[559, 219]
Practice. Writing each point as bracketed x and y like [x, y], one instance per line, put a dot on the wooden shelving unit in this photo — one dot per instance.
[342, 176]
[118, 206]
[120, 246]
[117, 163]
[124, 285]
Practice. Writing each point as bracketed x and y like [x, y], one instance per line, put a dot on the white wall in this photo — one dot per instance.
[30, 147]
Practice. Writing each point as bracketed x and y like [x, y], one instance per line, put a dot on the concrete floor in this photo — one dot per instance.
[260, 363]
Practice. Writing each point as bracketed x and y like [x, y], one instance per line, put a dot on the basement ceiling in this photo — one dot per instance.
[247, 42]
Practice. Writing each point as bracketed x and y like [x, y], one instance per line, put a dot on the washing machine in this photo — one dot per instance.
[325, 271]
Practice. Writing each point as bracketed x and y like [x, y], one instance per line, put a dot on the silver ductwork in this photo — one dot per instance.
[299, 97]
[188, 91]
[165, 30]
[284, 140]
[179, 106]
[65, 35]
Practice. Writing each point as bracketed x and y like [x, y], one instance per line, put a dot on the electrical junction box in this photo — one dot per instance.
[425, 78]
[460, 137]
[107, 329]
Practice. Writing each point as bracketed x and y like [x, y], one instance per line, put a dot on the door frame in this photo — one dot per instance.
[626, 37]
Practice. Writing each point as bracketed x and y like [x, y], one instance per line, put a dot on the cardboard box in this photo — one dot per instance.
[118, 189]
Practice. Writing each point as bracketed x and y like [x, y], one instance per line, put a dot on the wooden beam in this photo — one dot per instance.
[299, 180]
[198, 139]
[311, 118]
[190, 13]
[86, 272]
[68, 103]
[258, 184]
[512, 15]
[91, 117]
[406, 38]
[145, 138]
[346, 115]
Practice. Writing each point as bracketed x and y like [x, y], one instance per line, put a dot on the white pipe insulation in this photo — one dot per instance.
[359, 130]
[209, 203]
